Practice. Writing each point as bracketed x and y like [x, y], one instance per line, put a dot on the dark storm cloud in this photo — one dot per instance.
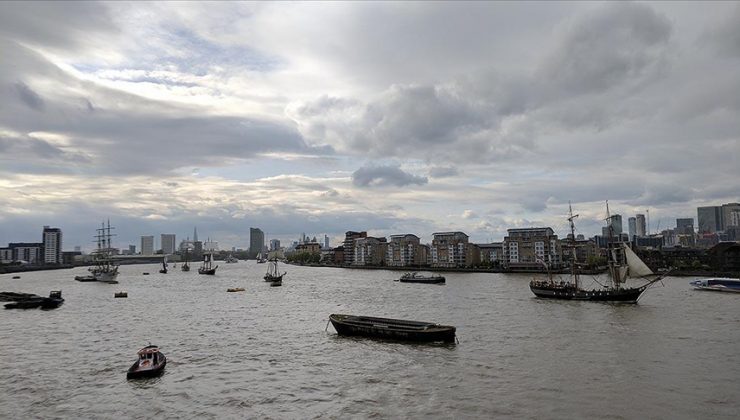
[385, 175]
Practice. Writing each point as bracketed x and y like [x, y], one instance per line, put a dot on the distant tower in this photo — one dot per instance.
[195, 234]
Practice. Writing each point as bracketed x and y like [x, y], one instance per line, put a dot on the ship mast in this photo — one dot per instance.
[573, 271]
[611, 251]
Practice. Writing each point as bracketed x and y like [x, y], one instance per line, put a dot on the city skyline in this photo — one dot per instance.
[289, 117]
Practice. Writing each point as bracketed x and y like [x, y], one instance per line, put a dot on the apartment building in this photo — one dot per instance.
[528, 248]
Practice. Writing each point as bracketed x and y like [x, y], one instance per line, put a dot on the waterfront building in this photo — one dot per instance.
[640, 229]
[349, 245]
[28, 252]
[649, 242]
[632, 227]
[709, 219]
[168, 243]
[369, 251]
[491, 254]
[52, 240]
[404, 250]
[527, 248]
[256, 242]
[452, 249]
[6, 255]
[147, 245]
[132, 249]
[310, 247]
[585, 249]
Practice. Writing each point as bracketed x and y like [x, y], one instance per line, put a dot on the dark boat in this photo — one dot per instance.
[185, 266]
[85, 278]
[16, 277]
[54, 300]
[120, 295]
[273, 275]
[622, 263]
[30, 303]
[207, 267]
[419, 278]
[394, 329]
[151, 362]
[145, 273]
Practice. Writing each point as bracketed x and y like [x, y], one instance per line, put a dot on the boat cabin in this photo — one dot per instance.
[148, 356]
[55, 294]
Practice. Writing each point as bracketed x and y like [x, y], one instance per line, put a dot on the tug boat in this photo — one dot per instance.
[151, 362]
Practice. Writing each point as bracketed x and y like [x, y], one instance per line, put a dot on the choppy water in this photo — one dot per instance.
[264, 353]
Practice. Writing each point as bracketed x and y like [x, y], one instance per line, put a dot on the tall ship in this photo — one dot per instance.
[623, 264]
[207, 267]
[104, 269]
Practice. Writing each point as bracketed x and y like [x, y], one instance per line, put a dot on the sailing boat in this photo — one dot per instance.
[207, 267]
[164, 265]
[273, 275]
[618, 253]
[261, 259]
[104, 269]
[185, 266]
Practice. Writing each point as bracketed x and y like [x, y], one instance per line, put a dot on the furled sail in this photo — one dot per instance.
[635, 264]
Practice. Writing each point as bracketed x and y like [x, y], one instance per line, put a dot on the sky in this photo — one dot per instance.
[408, 117]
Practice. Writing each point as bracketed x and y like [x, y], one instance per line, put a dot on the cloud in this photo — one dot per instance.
[442, 171]
[385, 175]
[29, 97]
[469, 214]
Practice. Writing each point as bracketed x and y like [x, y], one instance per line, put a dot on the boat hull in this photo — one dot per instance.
[209, 272]
[392, 329]
[626, 295]
[134, 372]
[434, 280]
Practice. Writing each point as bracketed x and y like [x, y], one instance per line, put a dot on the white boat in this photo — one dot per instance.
[230, 259]
[717, 284]
[105, 270]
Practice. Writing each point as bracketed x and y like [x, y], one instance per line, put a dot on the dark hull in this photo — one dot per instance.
[51, 303]
[85, 278]
[210, 272]
[135, 373]
[391, 329]
[630, 295]
[434, 280]
[273, 278]
[276, 283]
[185, 268]
[25, 304]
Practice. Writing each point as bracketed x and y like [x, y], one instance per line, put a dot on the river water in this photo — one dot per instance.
[264, 353]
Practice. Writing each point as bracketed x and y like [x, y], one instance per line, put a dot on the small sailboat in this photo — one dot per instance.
[230, 259]
[623, 263]
[164, 266]
[207, 267]
[185, 266]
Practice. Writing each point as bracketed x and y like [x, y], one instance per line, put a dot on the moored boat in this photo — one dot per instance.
[85, 278]
[151, 362]
[394, 329]
[420, 278]
[717, 284]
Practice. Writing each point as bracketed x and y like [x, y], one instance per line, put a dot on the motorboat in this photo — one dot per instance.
[420, 278]
[120, 295]
[717, 284]
[54, 300]
[85, 278]
[393, 329]
[151, 362]
[235, 289]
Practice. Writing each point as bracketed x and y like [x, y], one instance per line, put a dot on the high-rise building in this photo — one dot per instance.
[326, 241]
[52, 239]
[168, 243]
[274, 244]
[640, 225]
[132, 249]
[730, 215]
[615, 221]
[256, 241]
[685, 226]
[147, 245]
[195, 234]
[632, 226]
[709, 219]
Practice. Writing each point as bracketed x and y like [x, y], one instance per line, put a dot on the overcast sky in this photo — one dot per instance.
[409, 117]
